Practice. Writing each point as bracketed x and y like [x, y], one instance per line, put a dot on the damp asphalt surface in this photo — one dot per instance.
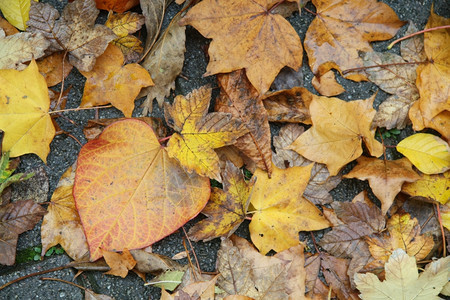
[64, 151]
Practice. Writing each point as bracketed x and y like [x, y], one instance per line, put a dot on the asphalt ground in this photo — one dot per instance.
[64, 151]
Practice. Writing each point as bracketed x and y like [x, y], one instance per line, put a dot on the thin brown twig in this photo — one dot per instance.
[383, 66]
[192, 248]
[310, 11]
[62, 81]
[33, 274]
[314, 242]
[416, 33]
[442, 230]
[65, 281]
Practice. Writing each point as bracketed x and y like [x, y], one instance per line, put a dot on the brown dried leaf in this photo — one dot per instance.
[327, 85]
[7, 27]
[335, 271]
[120, 263]
[75, 32]
[153, 11]
[154, 263]
[412, 49]
[392, 113]
[238, 97]
[54, 69]
[289, 105]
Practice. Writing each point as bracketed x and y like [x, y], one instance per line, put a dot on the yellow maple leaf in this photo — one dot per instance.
[246, 35]
[429, 153]
[24, 117]
[338, 129]
[200, 132]
[280, 210]
[16, 12]
[112, 82]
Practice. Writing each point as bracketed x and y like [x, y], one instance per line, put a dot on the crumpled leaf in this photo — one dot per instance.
[433, 78]
[199, 132]
[427, 152]
[327, 85]
[16, 12]
[52, 68]
[320, 182]
[16, 218]
[289, 105]
[246, 35]
[246, 272]
[337, 131]
[403, 281]
[112, 82]
[430, 187]
[75, 32]
[343, 28]
[20, 47]
[281, 213]
[238, 97]
[154, 263]
[120, 263]
[116, 5]
[24, 105]
[403, 232]
[385, 177]
[164, 63]
[226, 209]
[141, 195]
[62, 225]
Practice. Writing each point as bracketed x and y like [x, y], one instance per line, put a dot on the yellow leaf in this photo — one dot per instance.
[429, 153]
[199, 132]
[280, 210]
[432, 187]
[125, 24]
[130, 46]
[24, 105]
[16, 12]
[445, 214]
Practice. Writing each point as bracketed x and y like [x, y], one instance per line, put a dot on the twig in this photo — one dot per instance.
[383, 66]
[33, 274]
[62, 81]
[78, 108]
[310, 11]
[416, 33]
[192, 248]
[442, 230]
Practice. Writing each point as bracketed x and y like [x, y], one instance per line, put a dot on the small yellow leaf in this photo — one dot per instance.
[125, 24]
[431, 187]
[429, 153]
[16, 12]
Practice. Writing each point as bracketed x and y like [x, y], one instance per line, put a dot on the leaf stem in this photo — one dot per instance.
[65, 281]
[442, 230]
[164, 139]
[78, 108]
[416, 33]
[383, 66]
[193, 251]
[33, 274]
[310, 11]
[276, 5]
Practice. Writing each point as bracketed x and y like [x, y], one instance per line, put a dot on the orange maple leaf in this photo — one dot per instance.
[246, 34]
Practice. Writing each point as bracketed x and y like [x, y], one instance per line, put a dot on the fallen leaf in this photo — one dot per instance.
[226, 209]
[62, 225]
[403, 232]
[168, 280]
[392, 113]
[75, 32]
[90, 295]
[116, 5]
[315, 288]
[131, 48]
[24, 117]
[430, 187]
[36, 187]
[199, 132]
[343, 28]
[112, 82]
[238, 97]
[120, 263]
[439, 123]
[281, 213]
[385, 177]
[403, 280]
[123, 172]
[54, 69]
[16, 218]
[7, 27]
[445, 213]
[337, 131]
[7, 168]
[20, 47]
[327, 85]
[164, 63]
[289, 105]
[154, 263]
[153, 11]
[412, 49]
[427, 152]
[335, 271]
[246, 35]
[246, 272]
[16, 12]
[433, 78]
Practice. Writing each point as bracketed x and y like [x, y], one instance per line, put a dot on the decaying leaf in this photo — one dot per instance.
[199, 132]
[62, 225]
[338, 129]
[385, 177]
[403, 232]
[16, 12]
[154, 263]
[120, 263]
[54, 69]
[153, 11]
[197, 290]
[16, 218]
[238, 97]
[430, 187]
[246, 35]
[7, 168]
[20, 47]
[75, 32]
[342, 28]
[327, 85]
[164, 63]
[129, 193]
[427, 152]
[280, 213]
[112, 82]
[116, 5]
[226, 209]
[24, 105]
[403, 280]
[246, 272]
[289, 105]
